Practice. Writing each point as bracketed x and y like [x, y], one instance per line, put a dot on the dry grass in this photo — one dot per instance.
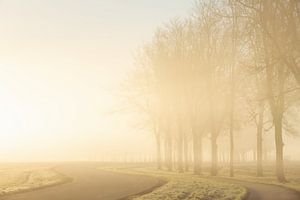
[185, 186]
[247, 172]
[23, 177]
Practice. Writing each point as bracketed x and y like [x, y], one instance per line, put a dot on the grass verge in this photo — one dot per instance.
[22, 178]
[247, 172]
[184, 186]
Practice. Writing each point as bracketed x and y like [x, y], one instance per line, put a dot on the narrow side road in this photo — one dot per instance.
[259, 191]
[90, 183]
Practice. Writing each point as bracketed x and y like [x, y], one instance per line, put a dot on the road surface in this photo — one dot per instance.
[257, 191]
[90, 183]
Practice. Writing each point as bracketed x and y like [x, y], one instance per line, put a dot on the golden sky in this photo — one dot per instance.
[61, 63]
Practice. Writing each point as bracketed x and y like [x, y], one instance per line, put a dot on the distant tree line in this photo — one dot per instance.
[229, 64]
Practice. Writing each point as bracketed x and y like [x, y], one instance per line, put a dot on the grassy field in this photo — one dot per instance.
[189, 186]
[23, 177]
[184, 186]
[247, 172]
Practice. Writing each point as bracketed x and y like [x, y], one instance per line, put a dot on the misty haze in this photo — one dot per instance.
[150, 100]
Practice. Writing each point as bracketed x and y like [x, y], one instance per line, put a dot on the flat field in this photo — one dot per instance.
[19, 177]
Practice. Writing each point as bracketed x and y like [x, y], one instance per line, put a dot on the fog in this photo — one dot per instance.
[62, 66]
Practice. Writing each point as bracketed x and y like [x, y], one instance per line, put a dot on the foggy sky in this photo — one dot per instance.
[61, 63]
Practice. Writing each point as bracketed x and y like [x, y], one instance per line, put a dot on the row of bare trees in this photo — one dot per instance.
[231, 63]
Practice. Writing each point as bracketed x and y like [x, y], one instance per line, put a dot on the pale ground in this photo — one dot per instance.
[185, 186]
[189, 186]
[23, 177]
[90, 183]
[248, 172]
[16, 178]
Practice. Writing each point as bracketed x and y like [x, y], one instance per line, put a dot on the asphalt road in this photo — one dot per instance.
[257, 191]
[90, 183]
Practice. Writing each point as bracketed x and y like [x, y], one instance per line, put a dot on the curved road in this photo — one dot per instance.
[90, 183]
[258, 191]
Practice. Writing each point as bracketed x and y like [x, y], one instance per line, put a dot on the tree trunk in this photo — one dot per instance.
[166, 149]
[186, 153]
[254, 155]
[214, 155]
[180, 153]
[168, 153]
[277, 113]
[231, 126]
[231, 170]
[232, 85]
[259, 150]
[197, 151]
[214, 150]
[275, 73]
[279, 149]
[158, 151]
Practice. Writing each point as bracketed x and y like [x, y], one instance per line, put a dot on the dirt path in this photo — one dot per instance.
[258, 191]
[90, 183]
